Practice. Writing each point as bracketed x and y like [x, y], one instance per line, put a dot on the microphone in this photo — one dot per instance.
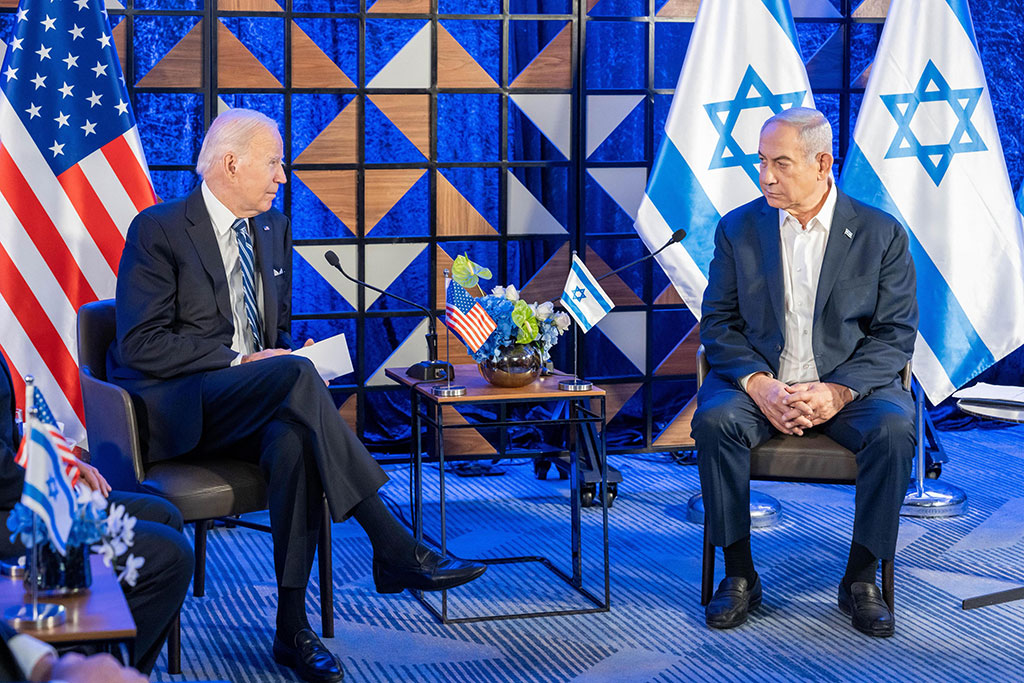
[677, 236]
[429, 370]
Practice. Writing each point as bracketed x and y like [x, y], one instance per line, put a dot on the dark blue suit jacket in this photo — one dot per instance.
[865, 310]
[174, 318]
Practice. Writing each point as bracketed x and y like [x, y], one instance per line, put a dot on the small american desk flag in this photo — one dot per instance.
[72, 176]
[45, 422]
[466, 316]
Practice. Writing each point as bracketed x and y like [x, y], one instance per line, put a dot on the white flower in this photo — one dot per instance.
[511, 293]
[106, 550]
[544, 310]
[562, 321]
[131, 569]
[498, 291]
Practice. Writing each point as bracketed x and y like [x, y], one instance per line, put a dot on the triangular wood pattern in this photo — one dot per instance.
[120, 35]
[552, 67]
[348, 411]
[248, 6]
[682, 360]
[400, 7]
[548, 282]
[337, 190]
[862, 80]
[872, 9]
[668, 296]
[337, 143]
[182, 66]
[237, 67]
[456, 216]
[410, 114]
[311, 68]
[679, 9]
[677, 434]
[384, 188]
[616, 396]
[456, 68]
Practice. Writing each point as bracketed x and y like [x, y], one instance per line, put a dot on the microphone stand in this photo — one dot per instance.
[677, 236]
[429, 370]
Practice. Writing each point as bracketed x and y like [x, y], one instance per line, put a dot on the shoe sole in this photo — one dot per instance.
[723, 625]
[885, 631]
[386, 587]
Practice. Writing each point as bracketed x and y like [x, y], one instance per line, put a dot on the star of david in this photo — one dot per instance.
[51, 487]
[751, 94]
[579, 294]
[936, 158]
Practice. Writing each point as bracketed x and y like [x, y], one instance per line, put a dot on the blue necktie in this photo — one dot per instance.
[252, 311]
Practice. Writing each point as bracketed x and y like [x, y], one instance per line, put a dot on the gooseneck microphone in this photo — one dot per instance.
[677, 236]
[431, 369]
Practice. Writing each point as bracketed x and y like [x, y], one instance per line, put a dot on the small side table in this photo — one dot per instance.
[98, 615]
[1004, 413]
[429, 409]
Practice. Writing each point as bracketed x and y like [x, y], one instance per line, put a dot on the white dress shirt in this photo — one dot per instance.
[222, 219]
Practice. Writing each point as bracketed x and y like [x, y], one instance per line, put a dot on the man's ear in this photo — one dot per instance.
[230, 164]
[825, 162]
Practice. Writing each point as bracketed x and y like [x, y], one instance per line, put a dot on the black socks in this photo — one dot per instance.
[861, 567]
[738, 560]
[291, 614]
[391, 539]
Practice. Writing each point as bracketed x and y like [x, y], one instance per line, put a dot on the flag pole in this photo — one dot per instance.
[33, 615]
[575, 384]
[449, 390]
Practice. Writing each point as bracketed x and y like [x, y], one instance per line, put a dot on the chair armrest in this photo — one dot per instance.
[112, 431]
[702, 365]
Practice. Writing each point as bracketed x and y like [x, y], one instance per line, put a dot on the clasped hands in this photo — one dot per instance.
[793, 408]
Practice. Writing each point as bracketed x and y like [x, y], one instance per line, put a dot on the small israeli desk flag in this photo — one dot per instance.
[583, 297]
[742, 66]
[926, 150]
[48, 491]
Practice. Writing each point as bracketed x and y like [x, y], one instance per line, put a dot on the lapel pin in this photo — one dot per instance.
[267, 227]
[845, 232]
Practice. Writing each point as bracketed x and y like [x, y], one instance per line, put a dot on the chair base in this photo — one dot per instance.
[933, 498]
[765, 510]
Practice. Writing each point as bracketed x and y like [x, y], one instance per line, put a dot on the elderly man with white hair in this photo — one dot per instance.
[809, 315]
[204, 347]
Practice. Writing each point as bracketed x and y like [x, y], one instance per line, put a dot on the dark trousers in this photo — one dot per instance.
[163, 579]
[278, 412]
[877, 428]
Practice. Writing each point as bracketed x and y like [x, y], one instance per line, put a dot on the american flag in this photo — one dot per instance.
[72, 176]
[466, 316]
[41, 419]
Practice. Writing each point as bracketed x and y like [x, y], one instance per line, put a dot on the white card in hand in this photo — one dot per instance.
[330, 356]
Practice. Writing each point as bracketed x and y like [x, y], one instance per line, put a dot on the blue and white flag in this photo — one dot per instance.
[1020, 198]
[926, 150]
[742, 66]
[48, 491]
[583, 297]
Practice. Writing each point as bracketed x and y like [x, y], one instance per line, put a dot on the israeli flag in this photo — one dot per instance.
[742, 66]
[926, 150]
[47, 490]
[583, 297]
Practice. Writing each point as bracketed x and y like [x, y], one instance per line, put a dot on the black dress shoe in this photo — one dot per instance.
[310, 659]
[732, 602]
[867, 610]
[429, 572]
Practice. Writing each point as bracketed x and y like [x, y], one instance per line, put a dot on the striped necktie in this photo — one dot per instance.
[245, 257]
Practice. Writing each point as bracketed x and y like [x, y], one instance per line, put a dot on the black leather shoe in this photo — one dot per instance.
[732, 602]
[867, 610]
[431, 572]
[310, 659]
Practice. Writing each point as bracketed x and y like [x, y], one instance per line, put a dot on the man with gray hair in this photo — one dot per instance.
[809, 315]
[204, 347]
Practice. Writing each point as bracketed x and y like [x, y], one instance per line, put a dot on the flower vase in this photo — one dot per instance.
[59, 574]
[516, 366]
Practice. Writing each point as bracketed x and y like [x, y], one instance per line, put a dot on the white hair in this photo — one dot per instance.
[232, 131]
[812, 129]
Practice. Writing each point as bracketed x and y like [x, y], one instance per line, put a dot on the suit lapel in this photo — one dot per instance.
[768, 232]
[840, 237]
[200, 231]
[264, 248]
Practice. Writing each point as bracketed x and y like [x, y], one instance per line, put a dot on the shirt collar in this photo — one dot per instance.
[824, 216]
[221, 216]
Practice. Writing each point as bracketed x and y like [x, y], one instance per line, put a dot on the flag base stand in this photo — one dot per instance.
[12, 570]
[448, 391]
[41, 615]
[575, 384]
[765, 510]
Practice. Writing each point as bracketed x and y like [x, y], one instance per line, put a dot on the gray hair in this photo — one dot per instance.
[232, 131]
[812, 129]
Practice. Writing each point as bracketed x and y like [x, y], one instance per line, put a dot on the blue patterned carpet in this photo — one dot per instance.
[655, 630]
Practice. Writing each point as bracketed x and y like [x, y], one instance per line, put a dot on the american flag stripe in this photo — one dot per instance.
[94, 215]
[471, 327]
[116, 201]
[129, 165]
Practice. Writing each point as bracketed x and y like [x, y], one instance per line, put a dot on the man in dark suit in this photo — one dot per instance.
[163, 579]
[809, 315]
[204, 347]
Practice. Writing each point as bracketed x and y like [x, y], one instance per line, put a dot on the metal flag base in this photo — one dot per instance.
[45, 615]
[448, 391]
[933, 498]
[575, 384]
[765, 510]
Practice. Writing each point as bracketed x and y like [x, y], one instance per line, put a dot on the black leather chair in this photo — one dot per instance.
[814, 459]
[204, 490]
